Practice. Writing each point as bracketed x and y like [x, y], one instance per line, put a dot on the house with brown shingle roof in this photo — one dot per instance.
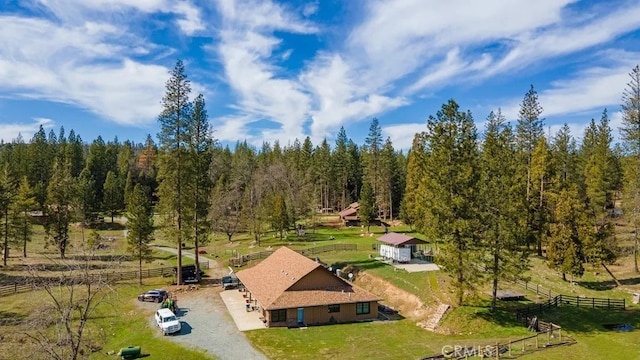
[350, 213]
[291, 289]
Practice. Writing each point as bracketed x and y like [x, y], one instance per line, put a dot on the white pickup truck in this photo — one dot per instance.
[167, 321]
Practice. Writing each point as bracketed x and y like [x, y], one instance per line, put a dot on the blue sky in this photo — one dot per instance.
[276, 70]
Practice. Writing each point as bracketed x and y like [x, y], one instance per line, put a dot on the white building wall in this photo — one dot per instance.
[397, 254]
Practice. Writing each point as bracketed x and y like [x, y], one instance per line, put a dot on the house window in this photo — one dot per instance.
[279, 315]
[362, 308]
[334, 308]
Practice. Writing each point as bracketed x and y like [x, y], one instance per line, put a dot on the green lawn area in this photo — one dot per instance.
[121, 323]
[118, 322]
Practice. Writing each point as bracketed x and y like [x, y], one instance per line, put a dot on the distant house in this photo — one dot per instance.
[398, 247]
[349, 215]
[291, 289]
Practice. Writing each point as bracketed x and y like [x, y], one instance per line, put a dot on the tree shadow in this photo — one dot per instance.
[504, 317]
[106, 258]
[607, 284]
[107, 225]
[8, 318]
[589, 320]
[359, 265]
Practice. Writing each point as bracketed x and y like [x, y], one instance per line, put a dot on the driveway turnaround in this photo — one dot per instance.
[206, 325]
[237, 306]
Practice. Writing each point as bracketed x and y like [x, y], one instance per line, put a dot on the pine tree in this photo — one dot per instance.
[450, 190]
[7, 198]
[529, 130]
[139, 226]
[58, 207]
[341, 167]
[568, 233]
[541, 172]
[500, 205]
[368, 211]
[372, 156]
[173, 175]
[112, 201]
[410, 209]
[22, 221]
[280, 216]
[200, 147]
[40, 162]
[630, 133]
[98, 166]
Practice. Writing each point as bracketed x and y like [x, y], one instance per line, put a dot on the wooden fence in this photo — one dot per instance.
[524, 315]
[550, 335]
[242, 260]
[29, 284]
[538, 289]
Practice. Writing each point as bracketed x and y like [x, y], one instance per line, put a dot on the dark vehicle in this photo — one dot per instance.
[157, 295]
[230, 282]
[189, 275]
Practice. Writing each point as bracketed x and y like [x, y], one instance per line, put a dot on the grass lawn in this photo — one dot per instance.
[117, 323]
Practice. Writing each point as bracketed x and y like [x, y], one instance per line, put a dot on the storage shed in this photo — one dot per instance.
[398, 247]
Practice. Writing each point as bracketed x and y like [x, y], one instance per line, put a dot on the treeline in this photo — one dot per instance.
[487, 199]
[194, 183]
[491, 198]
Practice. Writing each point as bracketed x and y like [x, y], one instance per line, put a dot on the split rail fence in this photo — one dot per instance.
[29, 284]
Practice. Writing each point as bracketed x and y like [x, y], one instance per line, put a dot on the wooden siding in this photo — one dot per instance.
[320, 315]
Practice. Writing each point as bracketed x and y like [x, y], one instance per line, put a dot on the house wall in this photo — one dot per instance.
[319, 278]
[395, 253]
[318, 315]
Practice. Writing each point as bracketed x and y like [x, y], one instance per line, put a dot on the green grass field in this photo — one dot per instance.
[120, 323]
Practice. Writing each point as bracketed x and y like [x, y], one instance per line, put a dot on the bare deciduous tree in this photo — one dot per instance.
[61, 328]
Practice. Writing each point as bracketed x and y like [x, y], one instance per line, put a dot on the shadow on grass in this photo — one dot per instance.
[10, 318]
[359, 265]
[502, 317]
[108, 226]
[56, 267]
[590, 320]
[608, 284]
[107, 258]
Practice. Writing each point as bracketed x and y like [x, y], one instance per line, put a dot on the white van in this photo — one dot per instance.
[167, 321]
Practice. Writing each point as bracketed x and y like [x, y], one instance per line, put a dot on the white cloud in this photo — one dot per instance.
[43, 60]
[402, 135]
[340, 97]
[310, 8]
[589, 90]
[187, 19]
[568, 37]
[246, 50]
[11, 131]
[191, 23]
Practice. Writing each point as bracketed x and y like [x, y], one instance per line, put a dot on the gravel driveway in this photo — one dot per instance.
[207, 325]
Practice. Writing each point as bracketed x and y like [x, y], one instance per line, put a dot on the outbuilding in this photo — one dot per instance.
[399, 247]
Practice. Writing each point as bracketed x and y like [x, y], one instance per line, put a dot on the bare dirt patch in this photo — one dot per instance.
[409, 305]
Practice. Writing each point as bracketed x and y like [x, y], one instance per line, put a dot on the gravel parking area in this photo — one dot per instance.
[206, 325]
